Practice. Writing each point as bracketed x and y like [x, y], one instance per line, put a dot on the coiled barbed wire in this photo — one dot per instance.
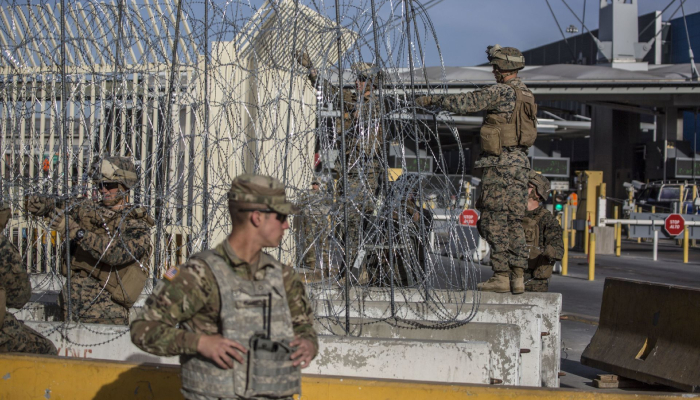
[198, 92]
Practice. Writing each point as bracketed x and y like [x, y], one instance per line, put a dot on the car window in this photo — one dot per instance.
[670, 193]
[653, 194]
[689, 193]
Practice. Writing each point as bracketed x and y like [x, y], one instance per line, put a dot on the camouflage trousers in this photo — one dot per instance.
[92, 303]
[535, 285]
[360, 196]
[15, 337]
[314, 242]
[502, 206]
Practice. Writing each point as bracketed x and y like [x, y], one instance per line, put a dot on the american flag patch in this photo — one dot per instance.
[171, 273]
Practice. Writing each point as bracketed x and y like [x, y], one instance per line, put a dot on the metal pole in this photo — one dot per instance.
[343, 165]
[205, 175]
[289, 107]
[162, 150]
[415, 133]
[565, 258]
[64, 133]
[591, 258]
[656, 244]
[686, 233]
[385, 158]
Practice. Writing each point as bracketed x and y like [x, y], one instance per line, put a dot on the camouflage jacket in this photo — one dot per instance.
[13, 276]
[361, 121]
[551, 232]
[497, 99]
[189, 296]
[112, 238]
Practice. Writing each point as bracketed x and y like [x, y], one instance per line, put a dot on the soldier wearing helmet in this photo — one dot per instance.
[109, 241]
[364, 141]
[508, 130]
[543, 235]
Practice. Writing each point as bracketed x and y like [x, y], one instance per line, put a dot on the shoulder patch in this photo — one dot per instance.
[171, 273]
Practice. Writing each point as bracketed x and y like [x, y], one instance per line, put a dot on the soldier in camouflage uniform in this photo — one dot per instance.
[543, 235]
[509, 129]
[110, 245]
[15, 291]
[361, 122]
[312, 229]
[239, 319]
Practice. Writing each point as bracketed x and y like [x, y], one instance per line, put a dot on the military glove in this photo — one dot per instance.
[424, 101]
[303, 59]
[59, 222]
[39, 206]
[550, 252]
[535, 252]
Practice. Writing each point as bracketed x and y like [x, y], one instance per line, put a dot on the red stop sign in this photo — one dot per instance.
[468, 218]
[674, 224]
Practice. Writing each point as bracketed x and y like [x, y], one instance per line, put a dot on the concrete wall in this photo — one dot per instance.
[503, 339]
[447, 362]
[43, 377]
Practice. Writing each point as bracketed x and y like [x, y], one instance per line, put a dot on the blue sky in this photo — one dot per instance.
[466, 27]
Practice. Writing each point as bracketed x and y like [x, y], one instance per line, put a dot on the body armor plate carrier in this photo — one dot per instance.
[521, 130]
[266, 331]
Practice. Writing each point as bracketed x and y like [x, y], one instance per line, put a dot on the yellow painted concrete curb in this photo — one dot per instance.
[25, 377]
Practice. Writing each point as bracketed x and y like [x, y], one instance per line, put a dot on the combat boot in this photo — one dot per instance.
[497, 283]
[517, 283]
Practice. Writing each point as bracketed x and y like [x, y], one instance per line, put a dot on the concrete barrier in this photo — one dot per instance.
[503, 339]
[649, 332]
[446, 362]
[547, 306]
[94, 341]
[489, 313]
[27, 377]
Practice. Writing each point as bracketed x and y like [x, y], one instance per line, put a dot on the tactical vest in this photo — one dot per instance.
[124, 283]
[532, 236]
[247, 318]
[539, 264]
[521, 130]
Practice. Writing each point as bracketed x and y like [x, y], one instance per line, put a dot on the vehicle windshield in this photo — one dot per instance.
[670, 193]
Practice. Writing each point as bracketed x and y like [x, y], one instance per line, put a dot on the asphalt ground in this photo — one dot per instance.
[582, 298]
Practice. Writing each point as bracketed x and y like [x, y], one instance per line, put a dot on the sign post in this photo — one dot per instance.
[674, 224]
[468, 217]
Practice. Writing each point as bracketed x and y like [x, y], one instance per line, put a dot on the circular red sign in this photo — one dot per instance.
[468, 218]
[674, 224]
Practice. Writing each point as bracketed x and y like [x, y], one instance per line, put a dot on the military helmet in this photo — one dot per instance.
[540, 183]
[115, 169]
[505, 58]
[366, 71]
[261, 189]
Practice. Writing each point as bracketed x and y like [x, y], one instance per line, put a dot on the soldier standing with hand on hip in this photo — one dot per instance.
[239, 319]
[509, 129]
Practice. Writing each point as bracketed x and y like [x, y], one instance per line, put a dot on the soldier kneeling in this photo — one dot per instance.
[543, 235]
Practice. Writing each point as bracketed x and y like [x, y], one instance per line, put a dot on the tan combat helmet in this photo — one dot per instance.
[505, 58]
[115, 169]
[366, 71]
[540, 183]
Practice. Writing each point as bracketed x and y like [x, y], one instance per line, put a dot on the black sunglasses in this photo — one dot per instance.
[280, 217]
[109, 185]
